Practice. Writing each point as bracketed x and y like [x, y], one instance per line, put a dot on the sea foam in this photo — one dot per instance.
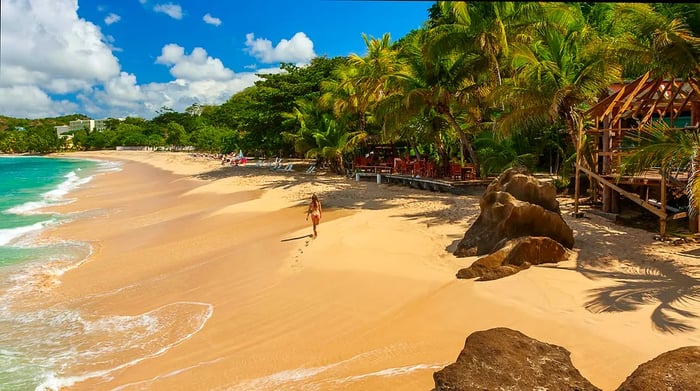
[52, 197]
[8, 235]
[139, 337]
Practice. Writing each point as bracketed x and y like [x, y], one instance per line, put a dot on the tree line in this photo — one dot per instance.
[496, 84]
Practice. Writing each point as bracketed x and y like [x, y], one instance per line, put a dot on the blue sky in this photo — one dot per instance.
[115, 58]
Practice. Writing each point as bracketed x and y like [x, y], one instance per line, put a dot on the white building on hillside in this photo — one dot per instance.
[87, 124]
[62, 129]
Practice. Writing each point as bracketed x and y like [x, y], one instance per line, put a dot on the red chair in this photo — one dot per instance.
[455, 171]
[469, 171]
[419, 168]
[430, 170]
[399, 166]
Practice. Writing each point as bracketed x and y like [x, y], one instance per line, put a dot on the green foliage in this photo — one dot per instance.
[216, 139]
[9, 123]
[671, 150]
[498, 83]
[175, 134]
[495, 156]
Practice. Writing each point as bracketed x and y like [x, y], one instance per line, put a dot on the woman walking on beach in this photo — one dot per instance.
[315, 211]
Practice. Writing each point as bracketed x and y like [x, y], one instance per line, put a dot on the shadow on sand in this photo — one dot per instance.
[637, 280]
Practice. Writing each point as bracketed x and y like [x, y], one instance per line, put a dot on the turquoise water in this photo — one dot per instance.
[27, 185]
[48, 342]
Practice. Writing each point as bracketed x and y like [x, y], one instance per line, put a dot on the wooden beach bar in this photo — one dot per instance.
[631, 107]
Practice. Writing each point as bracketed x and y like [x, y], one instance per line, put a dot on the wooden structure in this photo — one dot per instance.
[426, 183]
[629, 108]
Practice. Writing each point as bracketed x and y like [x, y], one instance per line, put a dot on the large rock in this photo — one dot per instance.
[524, 187]
[504, 217]
[518, 254]
[676, 370]
[505, 359]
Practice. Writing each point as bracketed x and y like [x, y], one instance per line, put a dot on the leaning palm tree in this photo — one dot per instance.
[671, 150]
[445, 83]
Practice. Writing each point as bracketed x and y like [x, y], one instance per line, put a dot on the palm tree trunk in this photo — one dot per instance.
[464, 139]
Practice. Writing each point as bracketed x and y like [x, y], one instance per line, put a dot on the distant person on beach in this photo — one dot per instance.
[315, 211]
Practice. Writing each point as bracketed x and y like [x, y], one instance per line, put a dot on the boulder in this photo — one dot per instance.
[524, 187]
[505, 359]
[503, 217]
[676, 370]
[515, 205]
[517, 254]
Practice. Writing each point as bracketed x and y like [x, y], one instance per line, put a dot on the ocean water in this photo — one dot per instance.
[47, 342]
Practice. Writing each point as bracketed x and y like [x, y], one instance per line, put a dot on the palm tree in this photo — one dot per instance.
[306, 117]
[560, 66]
[483, 27]
[332, 142]
[319, 135]
[364, 81]
[443, 83]
[656, 41]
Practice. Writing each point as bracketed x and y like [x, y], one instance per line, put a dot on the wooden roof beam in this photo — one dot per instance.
[611, 100]
[630, 98]
[694, 84]
[654, 88]
[673, 98]
[685, 102]
[653, 106]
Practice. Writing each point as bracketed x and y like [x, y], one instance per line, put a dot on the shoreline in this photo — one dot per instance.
[372, 302]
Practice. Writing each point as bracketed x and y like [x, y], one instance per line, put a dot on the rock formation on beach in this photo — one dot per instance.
[520, 224]
[505, 359]
[674, 370]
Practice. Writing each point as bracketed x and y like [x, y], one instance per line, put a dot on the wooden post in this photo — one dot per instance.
[662, 220]
[577, 182]
[606, 148]
[694, 224]
[614, 202]
[607, 199]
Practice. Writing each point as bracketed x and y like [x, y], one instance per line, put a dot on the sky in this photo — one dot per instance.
[119, 58]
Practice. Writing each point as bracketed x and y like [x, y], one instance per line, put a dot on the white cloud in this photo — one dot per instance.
[211, 20]
[170, 9]
[299, 49]
[112, 18]
[50, 55]
[196, 66]
[124, 97]
[24, 101]
[123, 89]
[46, 44]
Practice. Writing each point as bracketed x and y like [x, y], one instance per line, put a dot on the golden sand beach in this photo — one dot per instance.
[244, 299]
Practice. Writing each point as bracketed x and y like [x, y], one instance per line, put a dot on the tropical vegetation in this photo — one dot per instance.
[495, 84]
